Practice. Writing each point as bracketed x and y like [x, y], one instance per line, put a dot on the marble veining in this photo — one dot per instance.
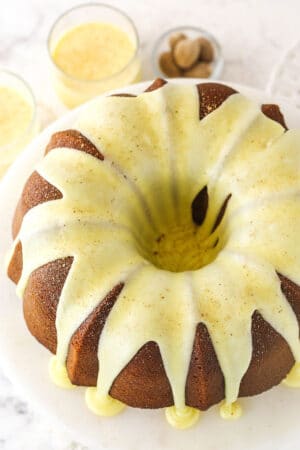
[23, 428]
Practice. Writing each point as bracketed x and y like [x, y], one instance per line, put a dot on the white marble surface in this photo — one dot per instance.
[254, 35]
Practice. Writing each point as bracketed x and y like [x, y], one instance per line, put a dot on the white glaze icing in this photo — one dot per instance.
[230, 411]
[293, 377]
[182, 418]
[158, 156]
[58, 374]
[104, 406]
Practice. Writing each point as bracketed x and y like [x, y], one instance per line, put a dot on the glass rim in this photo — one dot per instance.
[86, 5]
[34, 107]
[219, 60]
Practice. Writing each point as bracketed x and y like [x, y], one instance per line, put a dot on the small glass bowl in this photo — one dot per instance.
[162, 45]
[73, 91]
[10, 151]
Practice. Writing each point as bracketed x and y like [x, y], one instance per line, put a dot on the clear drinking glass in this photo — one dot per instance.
[73, 91]
[10, 150]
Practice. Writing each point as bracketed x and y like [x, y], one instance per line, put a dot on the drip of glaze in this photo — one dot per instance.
[182, 418]
[59, 375]
[103, 406]
[230, 411]
[293, 377]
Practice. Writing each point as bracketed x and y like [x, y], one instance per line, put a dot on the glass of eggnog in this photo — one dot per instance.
[93, 48]
[18, 118]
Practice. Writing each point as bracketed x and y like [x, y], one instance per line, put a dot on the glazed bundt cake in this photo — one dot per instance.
[157, 251]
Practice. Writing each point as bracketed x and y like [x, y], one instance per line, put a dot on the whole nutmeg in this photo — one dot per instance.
[175, 38]
[207, 50]
[186, 52]
[200, 70]
[167, 65]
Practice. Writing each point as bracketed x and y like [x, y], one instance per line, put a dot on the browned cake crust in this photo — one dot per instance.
[143, 383]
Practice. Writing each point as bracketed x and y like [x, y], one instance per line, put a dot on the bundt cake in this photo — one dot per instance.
[157, 251]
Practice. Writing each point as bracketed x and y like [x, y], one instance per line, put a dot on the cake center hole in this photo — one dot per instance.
[188, 246]
[181, 248]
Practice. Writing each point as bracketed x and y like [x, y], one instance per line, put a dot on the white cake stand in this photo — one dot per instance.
[270, 420]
